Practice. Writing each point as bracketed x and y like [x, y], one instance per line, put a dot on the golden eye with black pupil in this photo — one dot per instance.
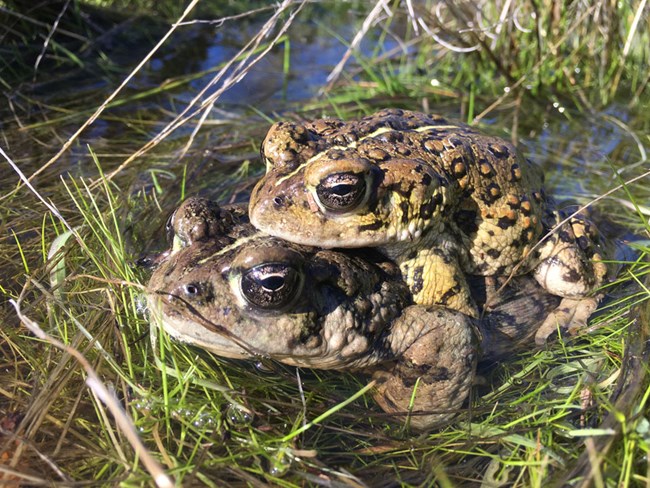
[340, 192]
[271, 286]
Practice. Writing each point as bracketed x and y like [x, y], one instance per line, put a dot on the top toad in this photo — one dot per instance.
[441, 199]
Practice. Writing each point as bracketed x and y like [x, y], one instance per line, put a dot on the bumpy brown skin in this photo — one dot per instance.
[242, 294]
[348, 314]
[441, 199]
[198, 219]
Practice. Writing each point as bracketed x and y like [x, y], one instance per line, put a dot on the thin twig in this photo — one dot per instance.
[49, 37]
[381, 5]
[552, 49]
[110, 98]
[238, 73]
[109, 399]
[49, 205]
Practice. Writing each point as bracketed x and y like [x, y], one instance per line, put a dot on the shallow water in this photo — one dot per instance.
[580, 151]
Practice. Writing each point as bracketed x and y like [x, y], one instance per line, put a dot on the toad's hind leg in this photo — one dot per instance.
[435, 277]
[573, 268]
[436, 351]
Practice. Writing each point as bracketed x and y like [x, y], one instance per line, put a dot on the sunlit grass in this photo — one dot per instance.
[575, 410]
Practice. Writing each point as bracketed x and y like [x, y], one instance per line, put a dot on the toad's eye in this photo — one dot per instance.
[271, 286]
[192, 290]
[340, 192]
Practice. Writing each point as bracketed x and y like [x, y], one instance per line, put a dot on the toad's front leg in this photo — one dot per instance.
[573, 268]
[436, 278]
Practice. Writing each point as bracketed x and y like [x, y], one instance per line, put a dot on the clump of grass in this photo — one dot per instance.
[574, 411]
[214, 421]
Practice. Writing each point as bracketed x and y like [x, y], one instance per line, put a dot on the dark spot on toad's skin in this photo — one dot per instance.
[427, 209]
[515, 172]
[494, 253]
[486, 169]
[404, 207]
[459, 167]
[418, 281]
[499, 150]
[584, 242]
[571, 276]
[437, 199]
[450, 293]
[426, 179]
[466, 221]
[492, 193]
[514, 202]
[376, 225]
[506, 222]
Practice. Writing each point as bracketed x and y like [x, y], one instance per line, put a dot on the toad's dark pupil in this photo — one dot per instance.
[340, 192]
[273, 283]
[192, 289]
[271, 286]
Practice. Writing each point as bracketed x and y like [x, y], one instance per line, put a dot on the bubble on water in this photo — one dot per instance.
[263, 367]
[280, 462]
[205, 421]
[141, 306]
[239, 415]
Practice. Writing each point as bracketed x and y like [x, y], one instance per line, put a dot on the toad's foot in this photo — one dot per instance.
[573, 264]
[569, 317]
[433, 375]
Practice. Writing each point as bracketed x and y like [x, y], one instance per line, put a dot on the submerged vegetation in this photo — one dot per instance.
[105, 129]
